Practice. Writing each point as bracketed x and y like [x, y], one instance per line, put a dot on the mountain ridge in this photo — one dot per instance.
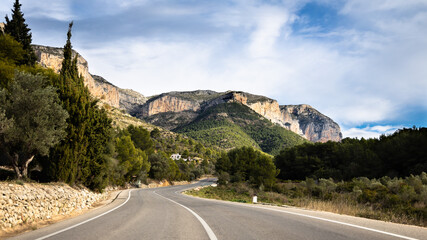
[175, 109]
[301, 119]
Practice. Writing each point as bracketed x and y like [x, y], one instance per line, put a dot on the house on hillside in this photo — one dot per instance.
[176, 156]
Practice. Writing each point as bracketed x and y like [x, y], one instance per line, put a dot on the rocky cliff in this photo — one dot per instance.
[171, 110]
[100, 88]
[306, 120]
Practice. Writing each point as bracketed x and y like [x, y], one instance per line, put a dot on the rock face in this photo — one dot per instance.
[100, 88]
[1, 27]
[166, 103]
[130, 100]
[171, 110]
[315, 126]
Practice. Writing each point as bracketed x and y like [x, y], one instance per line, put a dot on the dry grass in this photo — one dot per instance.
[343, 205]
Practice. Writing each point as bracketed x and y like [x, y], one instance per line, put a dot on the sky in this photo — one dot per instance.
[363, 63]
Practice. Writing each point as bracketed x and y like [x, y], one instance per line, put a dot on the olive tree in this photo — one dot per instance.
[31, 120]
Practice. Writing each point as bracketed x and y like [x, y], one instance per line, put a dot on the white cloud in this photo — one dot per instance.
[269, 24]
[58, 9]
[370, 132]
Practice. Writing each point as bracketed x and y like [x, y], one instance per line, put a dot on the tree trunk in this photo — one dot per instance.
[21, 170]
[15, 165]
[24, 167]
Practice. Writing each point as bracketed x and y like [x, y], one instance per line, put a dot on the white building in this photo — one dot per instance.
[176, 156]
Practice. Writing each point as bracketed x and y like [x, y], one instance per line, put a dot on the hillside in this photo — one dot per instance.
[230, 125]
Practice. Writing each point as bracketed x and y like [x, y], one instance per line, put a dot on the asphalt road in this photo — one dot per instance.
[164, 213]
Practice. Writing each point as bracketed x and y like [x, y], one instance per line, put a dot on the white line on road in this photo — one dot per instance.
[78, 224]
[208, 230]
[313, 217]
[338, 222]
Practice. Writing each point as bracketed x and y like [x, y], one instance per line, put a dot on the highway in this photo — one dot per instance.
[164, 213]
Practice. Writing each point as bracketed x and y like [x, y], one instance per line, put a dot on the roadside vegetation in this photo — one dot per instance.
[377, 178]
[400, 200]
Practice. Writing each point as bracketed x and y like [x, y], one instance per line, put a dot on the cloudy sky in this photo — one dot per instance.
[362, 63]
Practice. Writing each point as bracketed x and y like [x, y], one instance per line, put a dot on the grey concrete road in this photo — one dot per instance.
[164, 213]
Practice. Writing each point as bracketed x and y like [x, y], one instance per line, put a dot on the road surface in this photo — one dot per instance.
[164, 213]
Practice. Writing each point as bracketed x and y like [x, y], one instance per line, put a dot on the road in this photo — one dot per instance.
[164, 213]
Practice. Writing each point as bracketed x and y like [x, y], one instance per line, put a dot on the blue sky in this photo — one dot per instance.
[362, 63]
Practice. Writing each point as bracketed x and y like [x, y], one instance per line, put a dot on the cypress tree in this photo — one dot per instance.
[80, 157]
[18, 29]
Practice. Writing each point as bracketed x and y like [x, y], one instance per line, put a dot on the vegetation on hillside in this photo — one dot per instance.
[231, 125]
[398, 155]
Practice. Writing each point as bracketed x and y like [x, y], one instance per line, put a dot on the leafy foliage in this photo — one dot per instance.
[33, 120]
[397, 155]
[133, 162]
[246, 164]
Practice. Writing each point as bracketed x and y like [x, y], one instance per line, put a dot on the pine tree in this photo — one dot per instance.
[80, 157]
[18, 29]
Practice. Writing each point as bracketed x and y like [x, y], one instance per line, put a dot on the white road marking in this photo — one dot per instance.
[309, 216]
[338, 222]
[78, 224]
[208, 230]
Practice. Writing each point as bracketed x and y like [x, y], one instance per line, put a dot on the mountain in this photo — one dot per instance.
[191, 112]
[176, 109]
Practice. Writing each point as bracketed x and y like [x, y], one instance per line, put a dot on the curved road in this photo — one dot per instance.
[164, 213]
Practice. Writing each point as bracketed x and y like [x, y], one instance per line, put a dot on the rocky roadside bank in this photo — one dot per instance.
[26, 205]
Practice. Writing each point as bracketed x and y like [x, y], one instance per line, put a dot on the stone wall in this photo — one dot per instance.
[32, 202]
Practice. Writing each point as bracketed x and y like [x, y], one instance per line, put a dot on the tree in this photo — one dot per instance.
[83, 155]
[18, 29]
[185, 154]
[32, 120]
[246, 164]
[160, 167]
[141, 138]
[132, 161]
[155, 133]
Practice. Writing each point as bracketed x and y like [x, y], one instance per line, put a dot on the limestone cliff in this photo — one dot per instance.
[315, 126]
[171, 110]
[130, 99]
[100, 88]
